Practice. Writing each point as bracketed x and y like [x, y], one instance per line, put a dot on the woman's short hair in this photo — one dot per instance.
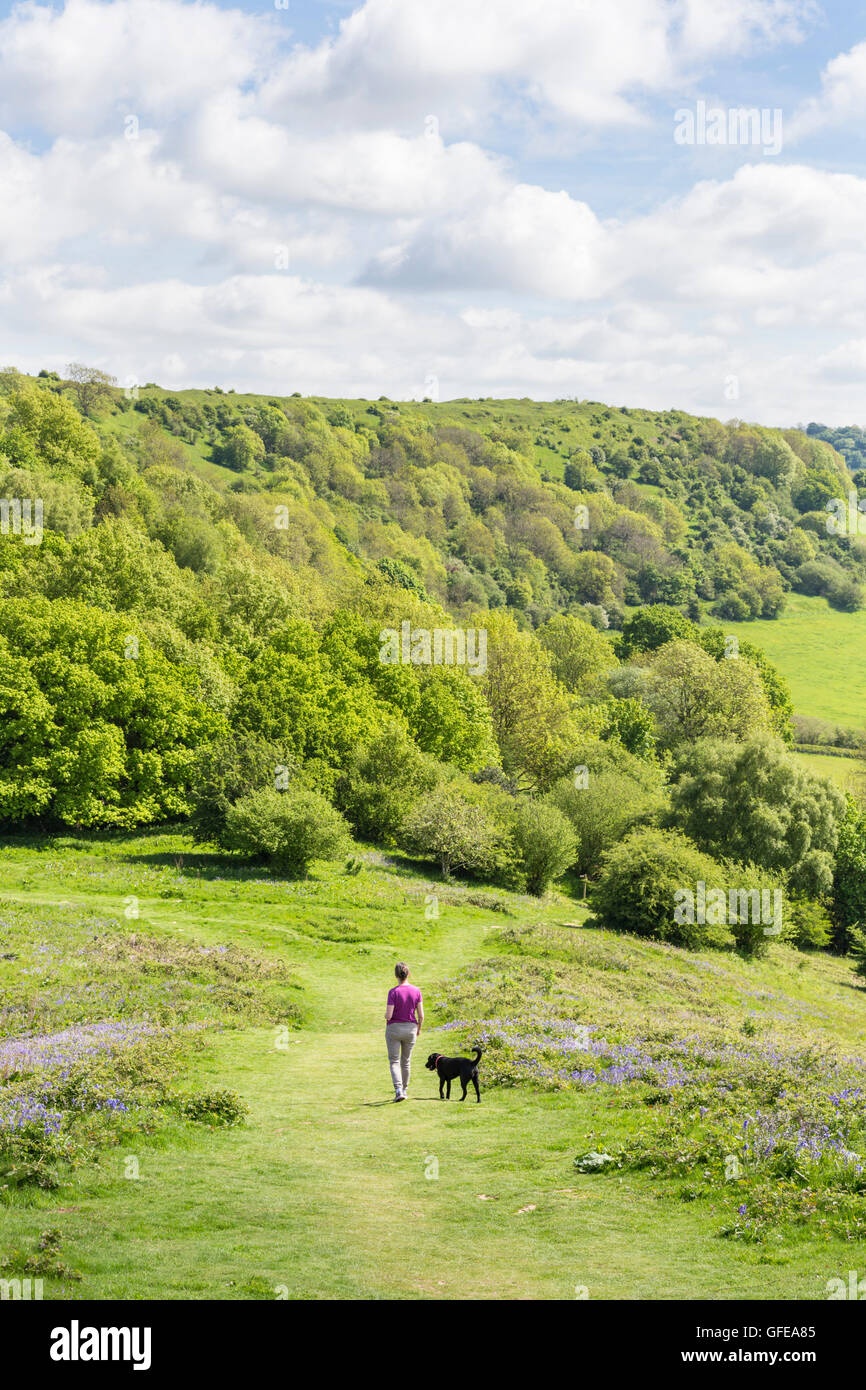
[401, 970]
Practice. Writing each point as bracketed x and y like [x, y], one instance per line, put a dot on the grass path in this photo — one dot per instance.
[326, 1192]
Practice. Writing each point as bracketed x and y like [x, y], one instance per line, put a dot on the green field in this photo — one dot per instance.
[847, 773]
[822, 654]
[329, 1189]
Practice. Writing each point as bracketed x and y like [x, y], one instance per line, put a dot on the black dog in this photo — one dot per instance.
[449, 1068]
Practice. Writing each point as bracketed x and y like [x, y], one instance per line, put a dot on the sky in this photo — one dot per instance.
[442, 198]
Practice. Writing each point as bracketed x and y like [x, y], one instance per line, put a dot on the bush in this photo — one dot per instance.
[232, 770]
[289, 829]
[810, 927]
[546, 843]
[382, 782]
[445, 826]
[641, 878]
[621, 792]
[217, 1107]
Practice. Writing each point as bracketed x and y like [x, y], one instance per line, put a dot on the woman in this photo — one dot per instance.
[404, 1015]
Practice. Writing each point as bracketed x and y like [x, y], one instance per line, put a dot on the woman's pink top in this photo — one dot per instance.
[405, 998]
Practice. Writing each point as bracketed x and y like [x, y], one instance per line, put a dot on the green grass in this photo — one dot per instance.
[325, 1192]
[847, 774]
[822, 654]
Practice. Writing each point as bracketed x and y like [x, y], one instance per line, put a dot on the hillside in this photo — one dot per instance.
[293, 979]
[476, 499]
[291, 689]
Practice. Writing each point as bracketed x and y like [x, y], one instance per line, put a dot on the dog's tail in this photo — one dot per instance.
[478, 1051]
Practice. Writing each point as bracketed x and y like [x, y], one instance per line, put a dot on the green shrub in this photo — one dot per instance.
[810, 926]
[218, 1107]
[232, 770]
[546, 843]
[443, 825]
[382, 782]
[289, 829]
[639, 883]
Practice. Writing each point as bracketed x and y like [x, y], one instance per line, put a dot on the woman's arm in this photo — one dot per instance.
[389, 1009]
[419, 1013]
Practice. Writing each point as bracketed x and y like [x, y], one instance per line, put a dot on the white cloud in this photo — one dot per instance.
[576, 60]
[842, 99]
[376, 171]
[290, 220]
[83, 69]
[525, 238]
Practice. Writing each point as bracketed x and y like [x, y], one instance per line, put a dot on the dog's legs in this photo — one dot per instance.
[448, 1096]
[477, 1092]
[441, 1087]
[464, 1084]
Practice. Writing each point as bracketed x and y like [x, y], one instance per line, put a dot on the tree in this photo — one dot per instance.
[532, 712]
[443, 707]
[289, 829]
[753, 802]
[451, 720]
[579, 654]
[292, 695]
[595, 578]
[546, 843]
[229, 771]
[90, 385]
[776, 688]
[849, 875]
[630, 723]
[615, 793]
[581, 473]
[694, 697]
[45, 430]
[402, 576]
[652, 627]
[101, 729]
[858, 950]
[383, 780]
[445, 826]
[241, 449]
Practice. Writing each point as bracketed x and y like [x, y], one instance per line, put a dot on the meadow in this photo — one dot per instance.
[821, 652]
[259, 1154]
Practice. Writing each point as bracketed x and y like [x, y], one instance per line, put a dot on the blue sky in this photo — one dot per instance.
[452, 197]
